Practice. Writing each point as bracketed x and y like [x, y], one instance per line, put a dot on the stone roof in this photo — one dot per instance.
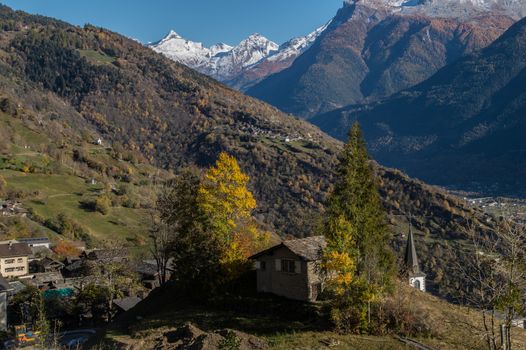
[17, 286]
[127, 303]
[146, 268]
[49, 262]
[75, 265]
[109, 255]
[46, 277]
[40, 251]
[4, 285]
[309, 249]
[9, 250]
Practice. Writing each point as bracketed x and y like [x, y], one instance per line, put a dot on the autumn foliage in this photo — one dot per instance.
[228, 204]
[66, 249]
[213, 228]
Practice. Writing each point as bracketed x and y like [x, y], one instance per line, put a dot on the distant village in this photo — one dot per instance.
[27, 262]
[287, 269]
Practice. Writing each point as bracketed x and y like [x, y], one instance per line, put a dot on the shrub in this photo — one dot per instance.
[401, 315]
[8, 106]
[103, 204]
[66, 249]
[3, 186]
[230, 341]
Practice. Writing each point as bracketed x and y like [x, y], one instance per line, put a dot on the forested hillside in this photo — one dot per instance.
[370, 51]
[74, 84]
[463, 127]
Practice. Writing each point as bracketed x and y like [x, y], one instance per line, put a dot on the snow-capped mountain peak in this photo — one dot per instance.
[219, 48]
[224, 62]
[173, 35]
[449, 8]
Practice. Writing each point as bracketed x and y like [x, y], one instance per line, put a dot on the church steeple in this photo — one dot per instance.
[411, 258]
[417, 278]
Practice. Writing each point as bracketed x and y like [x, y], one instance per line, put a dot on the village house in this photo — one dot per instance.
[292, 269]
[11, 208]
[149, 274]
[46, 264]
[36, 242]
[118, 255]
[14, 259]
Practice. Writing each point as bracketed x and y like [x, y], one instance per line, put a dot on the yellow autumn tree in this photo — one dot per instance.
[224, 198]
[339, 256]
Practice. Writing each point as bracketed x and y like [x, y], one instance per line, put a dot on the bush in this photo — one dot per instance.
[103, 204]
[399, 314]
[8, 106]
[230, 341]
[3, 186]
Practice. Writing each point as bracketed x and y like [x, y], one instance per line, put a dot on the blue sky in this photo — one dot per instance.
[208, 21]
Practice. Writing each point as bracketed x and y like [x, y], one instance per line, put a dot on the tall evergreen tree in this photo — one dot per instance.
[355, 197]
[362, 232]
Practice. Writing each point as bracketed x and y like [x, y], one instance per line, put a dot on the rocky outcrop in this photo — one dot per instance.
[190, 337]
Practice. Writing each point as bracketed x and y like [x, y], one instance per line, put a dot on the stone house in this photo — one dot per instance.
[46, 264]
[14, 259]
[292, 269]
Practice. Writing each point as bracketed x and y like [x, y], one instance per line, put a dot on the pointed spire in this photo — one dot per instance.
[411, 258]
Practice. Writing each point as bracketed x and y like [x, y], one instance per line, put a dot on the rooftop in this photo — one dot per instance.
[127, 303]
[8, 250]
[310, 248]
[4, 285]
[37, 240]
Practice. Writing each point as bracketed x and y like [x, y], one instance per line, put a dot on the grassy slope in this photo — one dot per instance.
[285, 325]
[52, 188]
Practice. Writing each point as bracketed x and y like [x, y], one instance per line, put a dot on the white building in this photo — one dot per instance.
[36, 242]
[417, 279]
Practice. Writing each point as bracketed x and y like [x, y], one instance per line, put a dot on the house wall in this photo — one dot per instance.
[316, 279]
[14, 266]
[297, 285]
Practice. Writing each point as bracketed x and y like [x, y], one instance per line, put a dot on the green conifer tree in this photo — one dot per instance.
[355, 200]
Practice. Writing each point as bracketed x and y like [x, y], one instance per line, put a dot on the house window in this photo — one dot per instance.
[20, 268]
[262, 265]
[20, 260]
[288, 266]
[10, 261]
[10, 269]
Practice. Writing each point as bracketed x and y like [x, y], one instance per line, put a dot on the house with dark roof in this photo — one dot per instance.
[14, 259]
[126, 303]
[47, 264]
[292, 269]
[417, 278]
[117, 255]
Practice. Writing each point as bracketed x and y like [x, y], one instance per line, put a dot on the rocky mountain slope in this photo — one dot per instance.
[375, 48]
[450, 8]
[95, 81]
[464, 126]
[241, 66]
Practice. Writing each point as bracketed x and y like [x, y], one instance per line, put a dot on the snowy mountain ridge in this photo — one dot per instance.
[224, 62]
[448, 8]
